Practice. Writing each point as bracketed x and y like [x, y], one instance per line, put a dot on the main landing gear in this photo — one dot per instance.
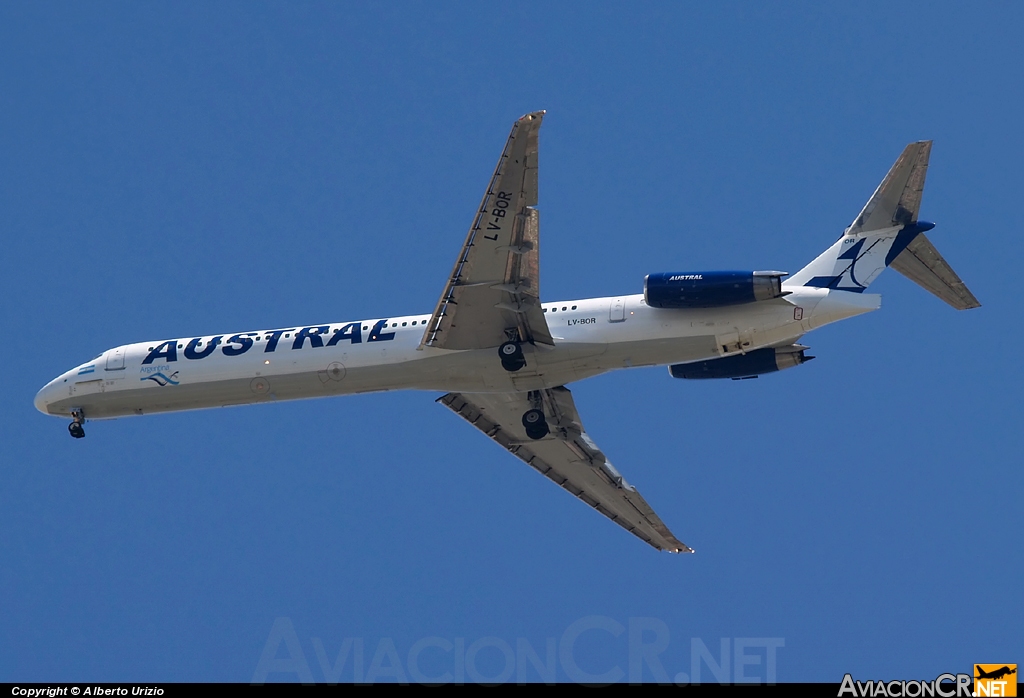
[512, 359]
[76, 426]
[511, 355]
[535, 423]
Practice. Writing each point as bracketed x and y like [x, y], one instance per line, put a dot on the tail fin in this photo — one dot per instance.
[898, 197]
[888, 232]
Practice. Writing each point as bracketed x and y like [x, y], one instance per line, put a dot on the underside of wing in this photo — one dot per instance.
[493, 293]
[567, 456]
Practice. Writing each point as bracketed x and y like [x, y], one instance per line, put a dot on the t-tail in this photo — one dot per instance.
[888, 233]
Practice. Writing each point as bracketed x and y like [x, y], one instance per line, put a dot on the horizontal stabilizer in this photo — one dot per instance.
[921, 263]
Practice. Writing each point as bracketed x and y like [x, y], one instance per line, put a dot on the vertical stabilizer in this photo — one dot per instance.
[897, 199]
[887, 232]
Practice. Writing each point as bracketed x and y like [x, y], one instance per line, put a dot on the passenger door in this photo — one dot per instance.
[115, 359]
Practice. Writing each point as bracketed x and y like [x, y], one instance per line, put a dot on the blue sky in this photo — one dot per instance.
[181, 171]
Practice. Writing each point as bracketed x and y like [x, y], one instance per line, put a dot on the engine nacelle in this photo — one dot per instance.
[711, 289]
[749, 365]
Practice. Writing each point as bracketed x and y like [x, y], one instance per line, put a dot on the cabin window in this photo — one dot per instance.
[574, 307]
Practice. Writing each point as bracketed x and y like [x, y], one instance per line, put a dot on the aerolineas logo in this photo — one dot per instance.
[944, 686]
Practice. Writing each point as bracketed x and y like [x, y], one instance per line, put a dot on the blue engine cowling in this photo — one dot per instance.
[711, 289]
[749, 365]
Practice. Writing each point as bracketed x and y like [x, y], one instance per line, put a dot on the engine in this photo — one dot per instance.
[711, 289]
[749, 365]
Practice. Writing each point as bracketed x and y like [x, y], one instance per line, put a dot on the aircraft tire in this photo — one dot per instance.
[536, 425]
[511, 355]
[540, 432]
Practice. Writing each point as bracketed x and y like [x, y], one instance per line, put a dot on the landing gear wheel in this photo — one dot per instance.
[536, 425]
[511, 355]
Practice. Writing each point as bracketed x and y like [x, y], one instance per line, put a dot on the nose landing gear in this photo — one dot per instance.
[75, 428]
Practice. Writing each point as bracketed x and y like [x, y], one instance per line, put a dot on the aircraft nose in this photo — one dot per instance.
[44, 397]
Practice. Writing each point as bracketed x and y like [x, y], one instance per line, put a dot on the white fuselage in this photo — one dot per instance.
[591, 337]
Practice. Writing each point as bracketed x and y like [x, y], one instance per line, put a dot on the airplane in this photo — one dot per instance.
[502, 356]
[995, 674]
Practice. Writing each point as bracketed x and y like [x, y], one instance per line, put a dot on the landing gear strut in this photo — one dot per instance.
[511, 355]
[535, 423]
[76, 425]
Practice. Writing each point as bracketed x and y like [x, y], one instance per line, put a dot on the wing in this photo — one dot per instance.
[493, 293]
[566, 456]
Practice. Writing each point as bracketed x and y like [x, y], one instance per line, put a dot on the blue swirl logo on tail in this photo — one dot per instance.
[161, 380]
[853, 254]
